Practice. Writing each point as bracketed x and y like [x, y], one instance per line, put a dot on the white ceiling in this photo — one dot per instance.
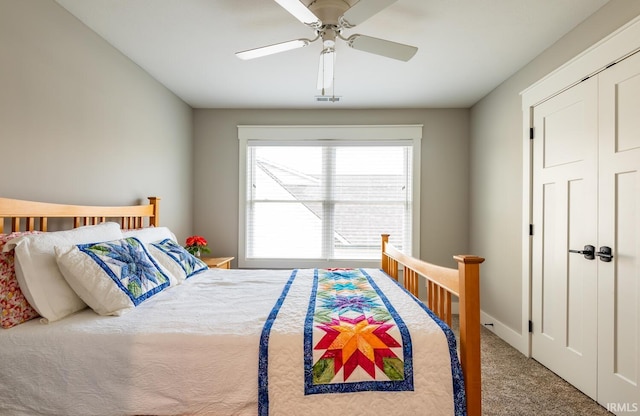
[466, 48]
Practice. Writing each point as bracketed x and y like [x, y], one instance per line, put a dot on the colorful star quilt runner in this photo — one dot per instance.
[347, 341]
[354, 338]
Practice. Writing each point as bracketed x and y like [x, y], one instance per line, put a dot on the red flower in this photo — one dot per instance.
[196, 243]
[196, 240]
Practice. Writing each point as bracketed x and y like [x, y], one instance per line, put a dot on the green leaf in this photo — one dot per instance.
[100, 250]
[325, 295]
[381, 314]
[134, 289]
[161, 277]
[393, 368]
[323, 371]
[322, 316]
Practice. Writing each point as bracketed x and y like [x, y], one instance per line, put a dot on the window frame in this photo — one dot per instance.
[284, 134]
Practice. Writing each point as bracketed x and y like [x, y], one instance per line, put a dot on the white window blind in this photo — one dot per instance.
[316, 202]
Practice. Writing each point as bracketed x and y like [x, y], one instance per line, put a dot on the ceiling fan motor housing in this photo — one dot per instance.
[329, 11]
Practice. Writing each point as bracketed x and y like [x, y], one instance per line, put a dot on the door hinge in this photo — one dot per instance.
[531, 133]
[531, 229]
[530, 326]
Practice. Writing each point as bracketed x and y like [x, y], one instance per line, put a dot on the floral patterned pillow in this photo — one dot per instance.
[15, 308]
[177, 259]
[112, 277]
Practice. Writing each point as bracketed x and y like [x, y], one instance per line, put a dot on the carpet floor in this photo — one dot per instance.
[513, 384]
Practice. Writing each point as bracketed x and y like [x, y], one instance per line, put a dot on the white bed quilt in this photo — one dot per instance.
[194, 350]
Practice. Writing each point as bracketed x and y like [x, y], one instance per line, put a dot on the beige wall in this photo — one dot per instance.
[80, 123]
[496, 165]
[444, 174]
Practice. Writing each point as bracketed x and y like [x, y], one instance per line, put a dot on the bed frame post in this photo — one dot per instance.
[385, 259]
[389, 265]
[469, 269]
[155, 219]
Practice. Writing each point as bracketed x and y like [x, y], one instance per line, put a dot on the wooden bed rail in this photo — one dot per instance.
[31, 216]
[441, 284]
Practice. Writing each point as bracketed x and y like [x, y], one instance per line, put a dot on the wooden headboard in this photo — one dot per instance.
[31, 216]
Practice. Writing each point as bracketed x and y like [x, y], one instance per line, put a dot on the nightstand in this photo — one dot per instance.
[218, 262]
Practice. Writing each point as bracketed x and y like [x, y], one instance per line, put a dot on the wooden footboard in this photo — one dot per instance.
[30, 216]
[441, 284]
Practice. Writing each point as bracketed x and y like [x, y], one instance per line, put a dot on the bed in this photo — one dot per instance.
[222, 342]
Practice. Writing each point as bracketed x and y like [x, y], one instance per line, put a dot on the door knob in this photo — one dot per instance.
[605, 254]
[588, 252]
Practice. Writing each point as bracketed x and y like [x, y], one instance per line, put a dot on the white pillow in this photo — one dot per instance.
[37, 272]
[150, 234]
[112, 277]
[176, 259]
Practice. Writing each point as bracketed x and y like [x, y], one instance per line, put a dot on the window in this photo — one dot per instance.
[309, 201]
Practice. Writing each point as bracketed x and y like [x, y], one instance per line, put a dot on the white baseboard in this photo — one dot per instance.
[511, 337]
[516, 340]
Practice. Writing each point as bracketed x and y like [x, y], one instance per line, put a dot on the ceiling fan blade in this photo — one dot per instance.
[326, 67]
[272, 49]
[363, 10]
[382, 47]
[300, 12]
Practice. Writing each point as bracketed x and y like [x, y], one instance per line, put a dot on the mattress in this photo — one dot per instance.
[195, 349]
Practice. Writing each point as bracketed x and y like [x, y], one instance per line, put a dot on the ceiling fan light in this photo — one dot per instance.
[325, 70]
[300, 12]
[271, 49]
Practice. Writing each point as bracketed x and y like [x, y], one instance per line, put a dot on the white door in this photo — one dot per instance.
[586, 192]
[619, 220]
[565, 185]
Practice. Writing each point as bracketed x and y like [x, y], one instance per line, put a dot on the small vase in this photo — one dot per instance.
[197, 253]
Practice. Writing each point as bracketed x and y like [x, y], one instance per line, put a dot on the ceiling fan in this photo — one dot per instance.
[328, 18]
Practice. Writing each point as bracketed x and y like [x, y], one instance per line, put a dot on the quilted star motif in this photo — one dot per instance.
[133, 262]
[130, 265]
[342, 285]
[360, 342]
[356, 303]
[354, 340]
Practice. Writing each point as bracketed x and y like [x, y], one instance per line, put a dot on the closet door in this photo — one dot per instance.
[565, 189]
[619, 228]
